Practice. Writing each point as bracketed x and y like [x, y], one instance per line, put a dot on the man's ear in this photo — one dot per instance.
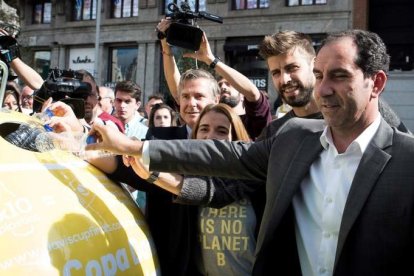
[380, 79]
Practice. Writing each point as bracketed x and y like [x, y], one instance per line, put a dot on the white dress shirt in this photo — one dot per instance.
[320, 201]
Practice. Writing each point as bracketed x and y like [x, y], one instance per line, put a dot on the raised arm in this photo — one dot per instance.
[171, 73]
[11, 55]
[26, 73]
[239, 81]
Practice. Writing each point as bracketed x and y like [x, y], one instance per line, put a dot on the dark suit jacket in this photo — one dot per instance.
[376, 233]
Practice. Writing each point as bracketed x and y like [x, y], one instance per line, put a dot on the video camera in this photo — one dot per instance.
[182, 32]
[65, 86]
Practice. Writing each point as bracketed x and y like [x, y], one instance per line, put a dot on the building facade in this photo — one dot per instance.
[391, 19]
[62, 34]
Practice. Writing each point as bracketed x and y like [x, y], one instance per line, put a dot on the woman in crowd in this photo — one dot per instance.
[162, 115]
[11, 100]
[226, 235]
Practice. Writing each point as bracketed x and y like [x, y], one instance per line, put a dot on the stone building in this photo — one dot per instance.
[63, 34]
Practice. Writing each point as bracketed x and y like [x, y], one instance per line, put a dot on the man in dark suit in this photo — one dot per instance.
[340, 193]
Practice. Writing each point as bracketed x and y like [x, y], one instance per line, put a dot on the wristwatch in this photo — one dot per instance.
[214, 63]
[161, 35]
[153, 177]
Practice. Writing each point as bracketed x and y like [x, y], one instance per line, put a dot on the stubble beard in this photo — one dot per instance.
[230, 101]
[303, 98]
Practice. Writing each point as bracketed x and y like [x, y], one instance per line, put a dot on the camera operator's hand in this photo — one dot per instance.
[162, 28]
[163, 25]
[204, 54]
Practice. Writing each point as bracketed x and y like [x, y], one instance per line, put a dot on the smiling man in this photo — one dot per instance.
[290, 58]
[237, 90]
[197, 89]
[26, 99]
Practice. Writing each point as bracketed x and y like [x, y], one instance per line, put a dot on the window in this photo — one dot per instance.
[82, 58]
[84, 10]
[124, 8]
[250, 4]
[42, 12]
[123, 64]
[195, 5]
[291, 3]
[42, 63]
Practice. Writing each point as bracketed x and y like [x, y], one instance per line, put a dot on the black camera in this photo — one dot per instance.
[65, 86]
[182, 32]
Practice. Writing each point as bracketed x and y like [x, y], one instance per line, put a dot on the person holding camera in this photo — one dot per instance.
[236, 89]
[93, 111]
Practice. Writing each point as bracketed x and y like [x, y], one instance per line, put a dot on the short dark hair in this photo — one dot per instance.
[371, 51]
[161, 106]
[282, 42]
[129, 87]
[86, 75]
[155, 96]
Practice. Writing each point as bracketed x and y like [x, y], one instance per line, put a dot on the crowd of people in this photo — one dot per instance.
[326, 189]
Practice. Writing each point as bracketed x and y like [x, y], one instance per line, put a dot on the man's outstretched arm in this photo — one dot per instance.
[193, 157]
[114, 141]
[171, 72]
